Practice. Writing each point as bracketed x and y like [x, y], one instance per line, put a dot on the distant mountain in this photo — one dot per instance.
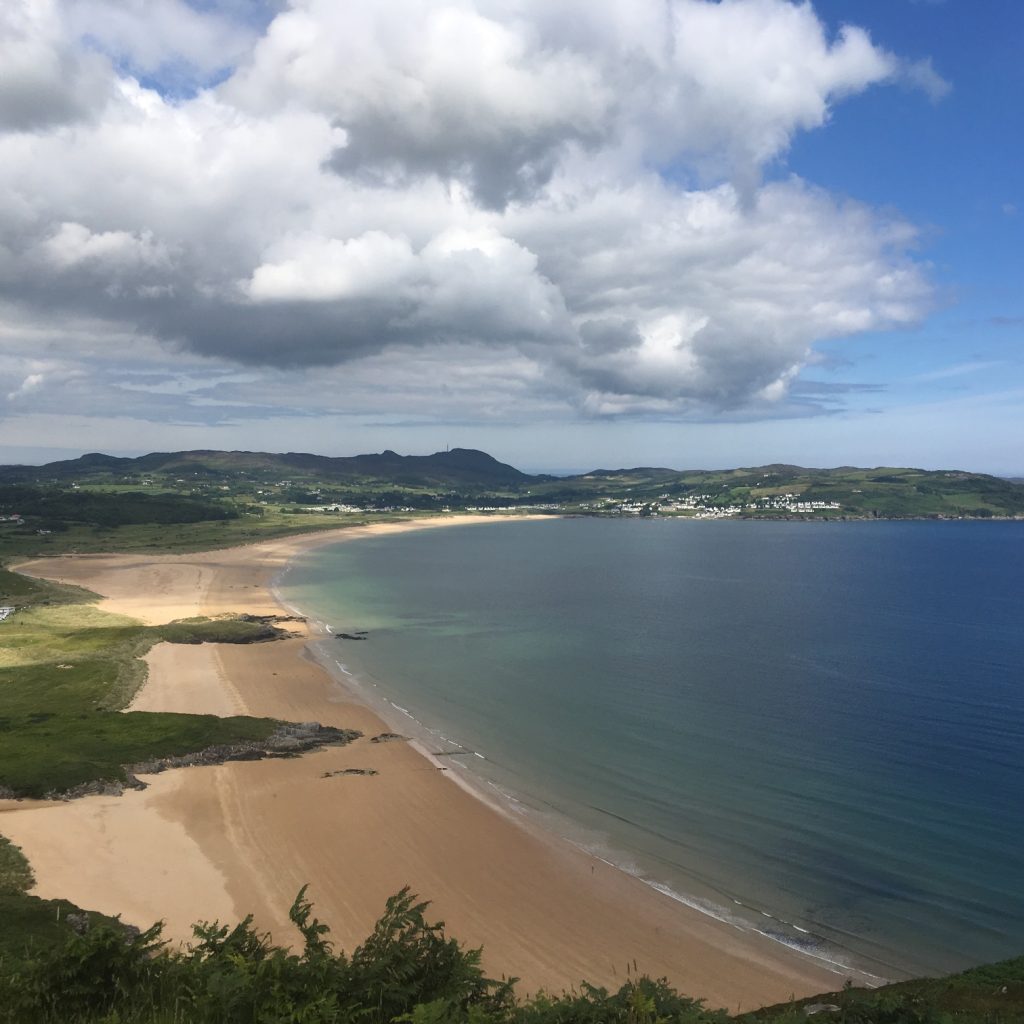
[466, 475]
[464, 467]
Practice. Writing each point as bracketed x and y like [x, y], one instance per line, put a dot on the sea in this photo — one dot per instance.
[814, 730]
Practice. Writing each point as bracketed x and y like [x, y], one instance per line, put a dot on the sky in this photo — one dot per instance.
[588, 233]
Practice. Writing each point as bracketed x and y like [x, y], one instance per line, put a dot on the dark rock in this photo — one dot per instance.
[387, 737]
[271, 620]
[78, 923]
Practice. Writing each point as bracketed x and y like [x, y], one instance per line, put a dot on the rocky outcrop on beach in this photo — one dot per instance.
[289, 739]
[271, 620]
[98, 787]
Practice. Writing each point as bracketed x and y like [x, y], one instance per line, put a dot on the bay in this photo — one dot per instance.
[812, 729]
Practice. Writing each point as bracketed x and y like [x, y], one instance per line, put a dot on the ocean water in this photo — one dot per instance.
[811, 729]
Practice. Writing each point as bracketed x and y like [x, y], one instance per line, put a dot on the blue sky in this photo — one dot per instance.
[955, 169]
[688, 234]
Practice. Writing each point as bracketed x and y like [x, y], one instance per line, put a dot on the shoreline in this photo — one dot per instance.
[532, 812]
[553, 825]
[222, 841]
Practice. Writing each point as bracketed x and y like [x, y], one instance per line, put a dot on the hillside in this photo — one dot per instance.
[458, 466]
[201, 499]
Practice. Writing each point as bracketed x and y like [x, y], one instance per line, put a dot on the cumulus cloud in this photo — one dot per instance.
[31, 383]
[493, 93]
[47, 79]
[921, 74]
[565, 199]
[169, 38]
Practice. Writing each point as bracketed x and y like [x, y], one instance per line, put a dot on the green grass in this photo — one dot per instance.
[221, 630]
[66, 668]
[26, 542]
[993, 993]
[54, 752]
[15, 874]
[19, 590]
[28, 923]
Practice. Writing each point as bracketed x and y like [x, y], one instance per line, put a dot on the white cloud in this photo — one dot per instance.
[959, 370]
[921, 74]
[31, 383]
[558, 200]
[160, 36]
[494, 93]
[74, 244]
[47, 79]
[325, 269]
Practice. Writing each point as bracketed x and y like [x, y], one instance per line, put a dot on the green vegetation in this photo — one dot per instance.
[25, 541]
[188, 501]
[786, 491]
[225, 629]
[48, 753]
[15, 874]
[66, 668]
[992, 993]
[27, 923]
[56, 508]
[407, 970]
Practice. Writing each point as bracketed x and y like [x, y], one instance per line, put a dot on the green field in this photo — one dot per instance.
[82, 538]
[66, 668]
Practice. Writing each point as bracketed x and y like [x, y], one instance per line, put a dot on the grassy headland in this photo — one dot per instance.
[67, 671]
[67, 668]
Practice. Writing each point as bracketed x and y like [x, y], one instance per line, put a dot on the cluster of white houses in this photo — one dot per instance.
[702, 506]
[334, 508]
[792, 503]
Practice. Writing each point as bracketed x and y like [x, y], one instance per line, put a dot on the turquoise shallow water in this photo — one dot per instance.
[812, 729]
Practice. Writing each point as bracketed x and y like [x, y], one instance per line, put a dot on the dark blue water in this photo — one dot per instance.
[820, 722]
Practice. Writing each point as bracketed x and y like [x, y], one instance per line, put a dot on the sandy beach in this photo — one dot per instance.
[225, 841]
